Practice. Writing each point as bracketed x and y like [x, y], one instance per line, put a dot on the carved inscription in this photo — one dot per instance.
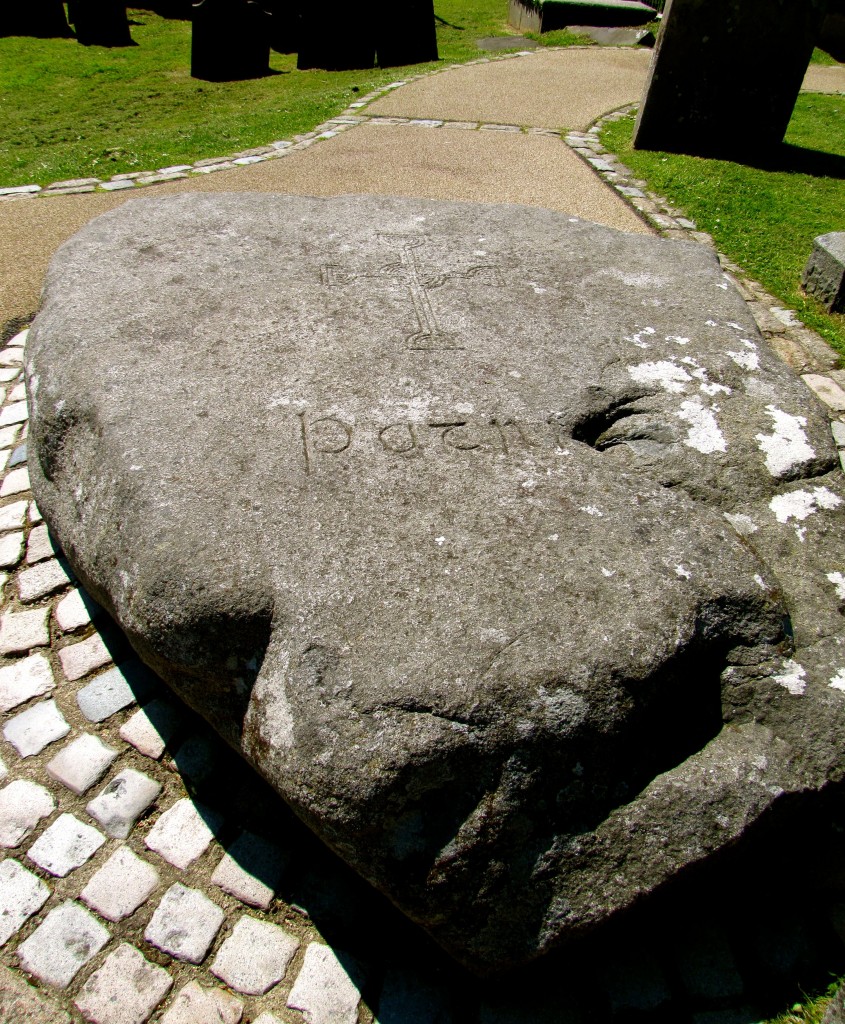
[333, 435]
[428, 335]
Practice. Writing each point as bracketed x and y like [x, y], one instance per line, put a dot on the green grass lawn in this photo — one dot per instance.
[764, 219]
[69, 111]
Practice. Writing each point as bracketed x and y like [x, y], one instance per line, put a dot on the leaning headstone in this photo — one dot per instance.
[283, 33]
[405, 33]
[101, 22]
[335, 36]
[548, 15]
[499, 542]
[43, 19]
[824, 275]
[229, 40]
[725, 75]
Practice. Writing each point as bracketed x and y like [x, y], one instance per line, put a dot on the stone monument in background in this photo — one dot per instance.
[725, 75]
[230, 40]
[43, 19]
[100, 22]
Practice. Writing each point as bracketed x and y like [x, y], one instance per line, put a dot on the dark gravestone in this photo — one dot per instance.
[498, 542]
[100, 23]
[43, 19]
[832, 35]
[284, 25]
[229, 40]
[725, 75]
[405, 33]
[336, 36]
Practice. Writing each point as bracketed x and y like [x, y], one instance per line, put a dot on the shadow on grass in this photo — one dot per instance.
[798, 160]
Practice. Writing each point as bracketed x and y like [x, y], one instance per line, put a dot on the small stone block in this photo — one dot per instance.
[37, 727]
[18, 456]
[22, 805]
[184, 924]
[121, 885]
[824, 275]
[75, 610]
[197, 1005]
[40, 544]
[250, 870]
[83, 657]
[63, 943]
[20, 190]
[66, 845]
[22, 894]
[11, 549]
[827, 389]
[21, 631]
[838, 430]
[255, 956]
[12, 516]
[123, 801]
[183, 833]
[195, 759]
[43, 579]
[72, 183]
[323, 991]
[116, 186]
[25, 679]
[125, 990]
[35, 513]
[82, 763]
[114, 690]
[151, 728]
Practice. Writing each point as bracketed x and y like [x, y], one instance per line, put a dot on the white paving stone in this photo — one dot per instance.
[34, 513]
[65, 846]
[42, 579]
[37, 727]
[15, 482]
[15, 413]
[125, 990]
[22, 894]
[9, 373]
[121, 885]
[109, 693]
[21, 631]
[22, 805]
[18, 393]
[323, 991]
[151, 728]
[250, 870]
[19, 340]
[11, 549]
[83, 657]
[4, 771]
[12, 516]
[40, 545]
[75, 610]
[123, 801]
[23, 680]
[81, 763]
[255, 956]
[197, 1005]
[184, 924]
[62, 944]
[183, 832]
[827, 390]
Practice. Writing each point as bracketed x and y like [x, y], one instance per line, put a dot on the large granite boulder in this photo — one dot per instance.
[499, 542]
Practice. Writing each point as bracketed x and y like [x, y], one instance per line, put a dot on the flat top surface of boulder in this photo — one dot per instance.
[423, 505]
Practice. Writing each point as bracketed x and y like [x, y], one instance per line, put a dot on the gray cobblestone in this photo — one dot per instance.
[11, 549]
[116, 186]
[75, 610]
[151, 728]
[12, 516]
[323, 991]
[125, 990]
[67, 939]
[21, 631]
[121, 885]
[197, 1005]
[84, 656]
[30, 677]
[36, 728]
[22, 805]
[65, 846]
[81, 763]
[838, 430]
[255, 957]
[183, 833]
[34, 513]
[114, 690]
[184, 924]
[129, 794]
[18, 456]
[827, 390]
[22, 894]
[40, 545]
[250, 870]
[42, 579]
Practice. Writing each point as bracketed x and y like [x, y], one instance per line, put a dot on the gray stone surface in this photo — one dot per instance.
[824, 275]
[835, 1012]
[129, 794]
[36, 728]
[66, 845]
[125, 990]
[62, 944]
[548, 15]
[121, 885]
[444, 438]
[250, 870]
[23, 680]
[22, 805]
[708, 53]
[183, 832]
[22, 894]
[326, 989]
[195, 1004]
[184, 924]
[255, 957]
[114, 690]
[81, 763]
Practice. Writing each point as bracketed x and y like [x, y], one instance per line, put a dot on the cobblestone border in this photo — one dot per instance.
[804, 350]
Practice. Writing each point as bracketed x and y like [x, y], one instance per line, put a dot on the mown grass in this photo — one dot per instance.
[763, 217]
[68, 111]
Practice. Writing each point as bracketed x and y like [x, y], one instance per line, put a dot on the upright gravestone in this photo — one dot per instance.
[230, 40]
[499, 542]
[43, 19]
[725, 75]
[101, 23]
[335, 36]
[405, 33]
[284, 25]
